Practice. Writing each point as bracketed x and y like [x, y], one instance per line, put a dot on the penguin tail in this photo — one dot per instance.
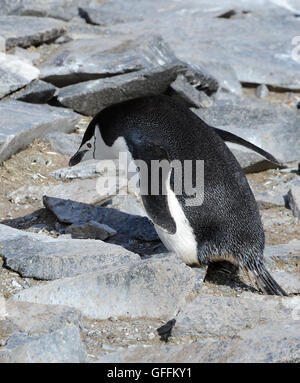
[266, 283]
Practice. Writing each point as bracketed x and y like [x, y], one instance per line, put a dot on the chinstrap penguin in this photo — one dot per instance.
[227, 224]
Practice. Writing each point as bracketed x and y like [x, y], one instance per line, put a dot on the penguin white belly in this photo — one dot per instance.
[183, 242]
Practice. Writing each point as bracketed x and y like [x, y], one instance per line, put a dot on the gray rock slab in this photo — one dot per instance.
[270, 126]
[226, 316]
[91, 229]
[150, 288]
[288, 253]
[277, 196]
[25, 31]
[92, 96]
[98, 16]
[64, 143]
[127, 204]
[267, 57]
[79, 190]
[82, 170]
[15, 73]
[37, 92]
[60, 346]
[129, 227]
[268, 343]
[251, 162]
[21, 123]
[84, 60]
[32, 56]
[40, 333]
[59, 258]
[294, 199]
[189, 93]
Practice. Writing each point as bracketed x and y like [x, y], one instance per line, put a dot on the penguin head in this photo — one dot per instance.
[93, 146]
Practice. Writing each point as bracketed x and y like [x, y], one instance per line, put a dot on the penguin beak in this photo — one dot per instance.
[77, 158]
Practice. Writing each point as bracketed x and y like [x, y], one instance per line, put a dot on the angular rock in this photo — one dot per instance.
[61, 346]
[286, 253]
[84, 190]
[278, 196]
[2, 44]
[15, 73]
[21, 123]
[268, 343]
[127, 204]
[99, 17]
[251, 162]
[150, 288]
[37, 92]
[189, 93]
[92, 230]
[33, 333]
[36, 257]
[262, 91]
[128, 227]
[294, 200]
[90, 97]
[226, 316]
[269, 126]
[84, 60]
[64, 143]
[31, 56]
[25, 31]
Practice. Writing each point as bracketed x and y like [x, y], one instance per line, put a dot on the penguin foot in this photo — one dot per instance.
[165, 331]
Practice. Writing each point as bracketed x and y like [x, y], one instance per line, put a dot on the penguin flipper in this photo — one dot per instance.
[230, 137]
[156, 205]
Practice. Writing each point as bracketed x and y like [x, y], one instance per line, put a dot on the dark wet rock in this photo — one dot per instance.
[59, 9]
[91, 229]
[268, 343]
[262, 91]
[49, 258]
[64, 143]
[21, 123]
[150, 288]
[33, 333]
[269, 126]
[37, 92]
[129, 227]
[25, 31]
[15, 73]
[294, 199]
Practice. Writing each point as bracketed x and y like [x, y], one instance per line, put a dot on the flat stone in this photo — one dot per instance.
[79, 190]
[64, 10]
[267, 343]
[64, 143]
[127, 204]
[49, 258]
[25, 31]
[90, 59]
[92, 96]
[294, 199]
[21, 123]
[91, 229]
[84, 169]
[226, 316]
[278, 196]
[15, 73]
[288, 253]
[189, 93]
[98, 16]
[270, 126]
[129, 227]
[150, 288]
[33, 333]
[37, 92]
[250, 161]
[267, 57]
[31, 56]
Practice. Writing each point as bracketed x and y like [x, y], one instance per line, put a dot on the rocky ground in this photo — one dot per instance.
[83, 275]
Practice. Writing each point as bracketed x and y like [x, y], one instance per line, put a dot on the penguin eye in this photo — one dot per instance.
[89, 145]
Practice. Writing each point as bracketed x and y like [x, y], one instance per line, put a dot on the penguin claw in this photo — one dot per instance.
[165, 331]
